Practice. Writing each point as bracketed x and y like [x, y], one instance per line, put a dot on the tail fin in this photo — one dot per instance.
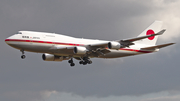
[153, 28]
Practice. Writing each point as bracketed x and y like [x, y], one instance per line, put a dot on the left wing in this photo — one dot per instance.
[98, 49]
[61, 47]
[98, 45]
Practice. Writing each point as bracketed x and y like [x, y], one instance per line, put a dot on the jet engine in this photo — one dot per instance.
[51, 57]
[80, 50]
[114, 45]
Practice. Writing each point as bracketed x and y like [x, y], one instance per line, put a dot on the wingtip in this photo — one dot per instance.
[164, 30]
[161, 32]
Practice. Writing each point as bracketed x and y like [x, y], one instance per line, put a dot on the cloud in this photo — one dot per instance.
[159, 96]
[164, 98]
[168, 13]
[27, 95]
[172, 95]
[21, 96]
[46, 94]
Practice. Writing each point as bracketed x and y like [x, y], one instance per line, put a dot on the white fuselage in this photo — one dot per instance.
[42, 42]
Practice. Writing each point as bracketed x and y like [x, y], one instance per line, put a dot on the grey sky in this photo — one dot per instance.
[33, 79]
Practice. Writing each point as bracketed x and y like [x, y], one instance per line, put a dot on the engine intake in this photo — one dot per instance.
[50, 57]
[114, 45]
[80, 50]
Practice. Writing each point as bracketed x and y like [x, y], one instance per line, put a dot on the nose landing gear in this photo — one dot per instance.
[22, 56]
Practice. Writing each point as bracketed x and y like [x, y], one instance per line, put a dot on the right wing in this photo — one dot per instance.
[143, 37]
[128, 42]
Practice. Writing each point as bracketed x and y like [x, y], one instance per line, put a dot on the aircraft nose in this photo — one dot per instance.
[6, 40]
[10, 41]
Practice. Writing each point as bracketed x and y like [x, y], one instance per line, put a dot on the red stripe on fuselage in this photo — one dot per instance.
[47, 42]
[59, 43]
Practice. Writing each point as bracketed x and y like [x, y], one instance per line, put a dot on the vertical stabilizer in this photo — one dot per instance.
[153, 28]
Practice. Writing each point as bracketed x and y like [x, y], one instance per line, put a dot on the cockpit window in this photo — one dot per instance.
[19, 33]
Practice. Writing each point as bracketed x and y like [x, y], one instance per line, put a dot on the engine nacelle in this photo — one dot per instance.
[114, 45]
[80, 50]
[50, 57]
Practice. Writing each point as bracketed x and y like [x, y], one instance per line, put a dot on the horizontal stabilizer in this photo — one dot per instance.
[157, 47]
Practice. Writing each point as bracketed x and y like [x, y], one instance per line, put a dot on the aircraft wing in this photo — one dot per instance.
[127, 42]
[61, 47]
[57, 49]
[97, 49]
[99, 45]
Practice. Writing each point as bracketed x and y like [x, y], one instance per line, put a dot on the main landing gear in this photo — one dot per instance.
[22, 56]
[84, 61]
[71, 62]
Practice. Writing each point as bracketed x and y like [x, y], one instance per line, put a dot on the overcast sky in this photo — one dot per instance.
[150, 77]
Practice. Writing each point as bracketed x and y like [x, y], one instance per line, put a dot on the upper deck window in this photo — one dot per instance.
[18, 33]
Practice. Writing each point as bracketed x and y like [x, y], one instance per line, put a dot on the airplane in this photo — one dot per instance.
[58, 47]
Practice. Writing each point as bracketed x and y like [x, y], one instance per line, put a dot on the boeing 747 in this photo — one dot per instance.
[57, 47]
